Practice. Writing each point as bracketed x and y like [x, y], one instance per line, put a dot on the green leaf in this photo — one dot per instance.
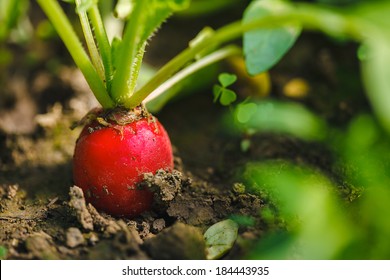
[318, 225]
[376, 75]
[282, 117]
[374, 12]
[220, 238]
[245, 111]
[217, 90]
[263, 48]
[227, 97]
[145, 18]
[227, 79]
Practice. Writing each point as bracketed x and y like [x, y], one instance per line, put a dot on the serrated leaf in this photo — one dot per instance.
[263, 48]
[220, 238]
[158, 11]
[227, 79]
[146, 17]
[227, 97]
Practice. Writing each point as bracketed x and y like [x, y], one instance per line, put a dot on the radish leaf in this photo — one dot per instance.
[263, 48]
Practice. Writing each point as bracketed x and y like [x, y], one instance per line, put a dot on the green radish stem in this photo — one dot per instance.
[73, 44]
[125, 76]
[191, 69]
[120, 84]
[103, 43]
[89, 38]
[310, 16]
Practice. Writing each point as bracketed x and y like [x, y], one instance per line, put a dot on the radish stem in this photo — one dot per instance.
[201, 63]
[76, 50]
[103, 43]
[310, 16]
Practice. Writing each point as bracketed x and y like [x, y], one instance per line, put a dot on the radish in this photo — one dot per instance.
[122, 141]
[111, 156]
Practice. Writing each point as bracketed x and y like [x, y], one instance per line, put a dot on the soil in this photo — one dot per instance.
[44, 216]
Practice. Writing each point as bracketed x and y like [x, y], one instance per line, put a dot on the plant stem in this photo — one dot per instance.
[61, 23]
[179, 76]
[308, 15]
[103, 43]
[122, 88]
[93, 50]
[204, 7]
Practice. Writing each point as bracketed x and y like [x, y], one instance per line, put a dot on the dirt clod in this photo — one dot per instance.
[74, 237]
[180, 241]
[102, 224]
[77, 203]
[11, 191]
[165, 185]
[40, 246]
[158, 225]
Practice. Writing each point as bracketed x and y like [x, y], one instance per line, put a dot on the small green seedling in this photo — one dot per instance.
[221, 93]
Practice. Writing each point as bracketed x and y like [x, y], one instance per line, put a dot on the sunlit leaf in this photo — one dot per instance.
[263, 48]
[220, 238]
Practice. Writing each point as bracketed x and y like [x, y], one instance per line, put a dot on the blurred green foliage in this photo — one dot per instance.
[12, 14]
[3, 253]
[319, 224]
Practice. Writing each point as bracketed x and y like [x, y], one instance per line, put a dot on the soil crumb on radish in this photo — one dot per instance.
[165, 186]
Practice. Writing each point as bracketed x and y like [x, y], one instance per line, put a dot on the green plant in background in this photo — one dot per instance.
[11, 12]
[3, 253]
[321, 226]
